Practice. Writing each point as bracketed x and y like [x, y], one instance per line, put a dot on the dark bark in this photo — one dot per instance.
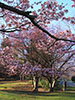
[52, 85]
[51, 88]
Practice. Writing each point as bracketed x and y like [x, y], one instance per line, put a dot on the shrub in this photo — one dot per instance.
[44, 83]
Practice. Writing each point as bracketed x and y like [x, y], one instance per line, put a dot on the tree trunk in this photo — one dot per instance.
[35, 81]
[5, 77]
[52, 84]
[64, 85]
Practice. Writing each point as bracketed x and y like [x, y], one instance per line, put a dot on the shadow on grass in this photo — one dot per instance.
[71, 89]
[29, 93]
[66, 94]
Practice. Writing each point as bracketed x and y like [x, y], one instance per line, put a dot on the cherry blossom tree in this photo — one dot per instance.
[8, 59]
[16, 16]
[54, 62]
[5, 62]
[46, 54]
[49, 58]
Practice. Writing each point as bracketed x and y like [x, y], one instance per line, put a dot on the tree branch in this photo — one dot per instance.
[12, 30]
[31, 17]
[66, 60]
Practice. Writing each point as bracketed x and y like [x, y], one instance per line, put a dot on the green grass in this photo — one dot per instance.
[22, 95]
[69, 88]
[16, 90]
[12, 85]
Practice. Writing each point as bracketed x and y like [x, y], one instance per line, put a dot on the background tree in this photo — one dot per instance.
[73, 78]
[39, 50]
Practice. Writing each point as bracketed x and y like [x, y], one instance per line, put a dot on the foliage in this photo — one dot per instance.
[44, 83]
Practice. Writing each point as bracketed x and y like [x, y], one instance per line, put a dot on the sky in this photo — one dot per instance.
[68, 6]
[71, 11]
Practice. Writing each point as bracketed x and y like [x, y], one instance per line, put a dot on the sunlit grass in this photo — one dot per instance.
[5, 85]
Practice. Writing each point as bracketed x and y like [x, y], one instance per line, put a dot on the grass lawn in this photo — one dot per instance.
[69, 88]
[16, 90]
